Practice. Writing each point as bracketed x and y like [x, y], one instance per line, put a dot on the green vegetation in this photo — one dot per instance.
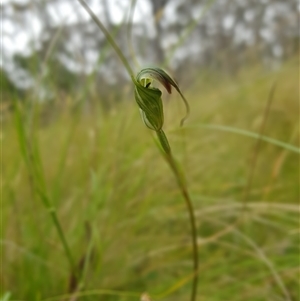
[121, 211]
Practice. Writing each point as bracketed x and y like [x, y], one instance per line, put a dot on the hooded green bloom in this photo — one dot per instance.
[159, 75]
[149, 98]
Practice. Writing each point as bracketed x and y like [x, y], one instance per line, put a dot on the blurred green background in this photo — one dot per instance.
[73, 141]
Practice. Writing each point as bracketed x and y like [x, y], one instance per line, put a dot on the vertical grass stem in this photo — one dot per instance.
[31, 158]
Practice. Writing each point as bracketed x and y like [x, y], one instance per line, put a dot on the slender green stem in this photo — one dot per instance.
[64, 241]
[163, 141]
[165, 145]
[181, 183]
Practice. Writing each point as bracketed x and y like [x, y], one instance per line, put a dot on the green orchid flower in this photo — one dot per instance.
[149, 99]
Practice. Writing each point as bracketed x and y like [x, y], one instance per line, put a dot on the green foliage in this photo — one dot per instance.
[5, 297]
[61, 78]
[122, 212]
[8, 89]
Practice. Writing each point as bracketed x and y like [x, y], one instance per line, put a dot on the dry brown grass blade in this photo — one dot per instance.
[261, 256]
[257, 146]
[278, 164]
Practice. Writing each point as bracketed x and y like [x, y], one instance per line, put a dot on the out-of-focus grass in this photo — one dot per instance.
[119, 204]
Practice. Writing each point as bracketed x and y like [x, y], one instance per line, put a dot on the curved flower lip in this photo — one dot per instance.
[159, 75]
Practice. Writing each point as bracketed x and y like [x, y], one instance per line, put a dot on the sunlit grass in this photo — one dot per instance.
[118, 203]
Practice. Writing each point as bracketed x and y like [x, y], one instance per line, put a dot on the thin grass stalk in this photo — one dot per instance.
[109, 38]
[33, 163]
[129, 32]
[258, 146]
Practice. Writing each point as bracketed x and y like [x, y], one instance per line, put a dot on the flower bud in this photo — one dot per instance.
[151, 107]
[149, 98]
